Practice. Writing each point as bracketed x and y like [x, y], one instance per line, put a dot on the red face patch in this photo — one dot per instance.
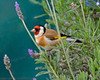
[37, 28]
[36, 33]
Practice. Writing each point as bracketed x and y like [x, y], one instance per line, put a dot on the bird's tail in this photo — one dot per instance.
[70, 39]
[73, 39]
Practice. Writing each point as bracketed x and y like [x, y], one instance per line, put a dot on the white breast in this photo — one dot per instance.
[48, 47]
[48, 40]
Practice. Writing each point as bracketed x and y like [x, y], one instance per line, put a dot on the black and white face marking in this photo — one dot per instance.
[42, 30]
[37, 29]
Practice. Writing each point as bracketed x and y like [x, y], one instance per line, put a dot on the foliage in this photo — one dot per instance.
[73, 61]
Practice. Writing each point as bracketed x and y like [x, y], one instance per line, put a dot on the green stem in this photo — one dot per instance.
[56, 23]
[50, 10]
[11, 74]
[31, 36]
[53, 71]
[83, 13]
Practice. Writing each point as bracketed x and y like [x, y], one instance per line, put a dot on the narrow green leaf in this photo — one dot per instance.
[42, 73]
[95, 64]
[40, 16]
[36, 2]
[49, 21]
[37, 68]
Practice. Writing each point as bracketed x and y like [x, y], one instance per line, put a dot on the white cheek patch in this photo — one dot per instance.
[41, 32]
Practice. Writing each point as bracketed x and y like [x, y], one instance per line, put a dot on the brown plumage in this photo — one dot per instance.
[47, 38]
[44, 41]
[51, 34]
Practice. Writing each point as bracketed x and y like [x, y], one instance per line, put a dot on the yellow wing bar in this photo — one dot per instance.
[57, 37]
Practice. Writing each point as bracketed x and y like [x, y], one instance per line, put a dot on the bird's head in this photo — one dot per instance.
[38, 30]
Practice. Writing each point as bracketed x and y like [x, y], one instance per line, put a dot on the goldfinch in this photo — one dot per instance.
[47, 38]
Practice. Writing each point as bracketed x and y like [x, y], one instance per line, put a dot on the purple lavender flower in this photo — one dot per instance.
[30, 50]
[19, 13]
[31, 53]
[34, 79]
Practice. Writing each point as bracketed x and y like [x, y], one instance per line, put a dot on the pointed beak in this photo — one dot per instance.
[33, 30]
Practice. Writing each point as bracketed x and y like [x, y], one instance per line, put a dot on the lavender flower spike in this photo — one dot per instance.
[7, 62]
[19, 13]
[31, 53]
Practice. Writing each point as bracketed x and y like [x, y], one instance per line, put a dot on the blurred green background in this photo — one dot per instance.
[14, 40]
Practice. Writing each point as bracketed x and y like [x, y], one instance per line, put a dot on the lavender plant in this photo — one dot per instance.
[19, 13]
[32, 54]
[8, 65]
[80, 19]
[70, 61]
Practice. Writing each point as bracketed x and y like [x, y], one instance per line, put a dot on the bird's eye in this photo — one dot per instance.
[37, 29]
